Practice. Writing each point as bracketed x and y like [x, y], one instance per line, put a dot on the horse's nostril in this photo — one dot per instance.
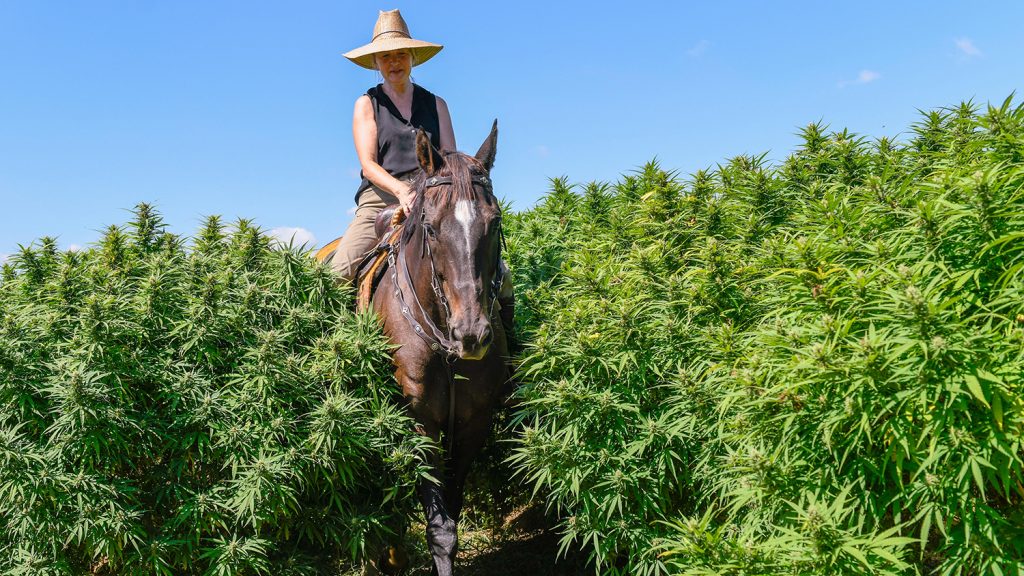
[474, 342]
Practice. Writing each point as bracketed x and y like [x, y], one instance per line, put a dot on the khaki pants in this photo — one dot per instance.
[360, 237]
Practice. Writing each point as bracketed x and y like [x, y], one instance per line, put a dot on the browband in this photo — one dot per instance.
[441, 180]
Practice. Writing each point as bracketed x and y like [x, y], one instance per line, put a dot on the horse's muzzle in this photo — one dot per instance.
[474, 342]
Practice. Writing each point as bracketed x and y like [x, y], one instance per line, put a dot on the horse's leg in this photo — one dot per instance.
[442, 532]
[442, 535]
[469, 440]
[428, 402]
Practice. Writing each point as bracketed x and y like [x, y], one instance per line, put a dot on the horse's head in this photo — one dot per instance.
[458, 219]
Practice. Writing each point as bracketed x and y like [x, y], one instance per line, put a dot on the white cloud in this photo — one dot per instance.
[291, 235]
[74, 248]
[351, 211]
[967, 47]
[354, 173]
[864, 77]
[698, 49]
[4, 257]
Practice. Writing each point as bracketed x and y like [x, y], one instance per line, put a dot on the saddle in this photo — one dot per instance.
[388, 228]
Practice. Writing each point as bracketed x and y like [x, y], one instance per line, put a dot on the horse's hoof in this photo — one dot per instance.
[395, 560]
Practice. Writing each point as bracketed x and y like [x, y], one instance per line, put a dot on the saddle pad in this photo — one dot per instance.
[373, 269]
[388, 226]
[327, 252]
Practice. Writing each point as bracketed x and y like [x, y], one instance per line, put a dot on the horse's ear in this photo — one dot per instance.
[427, 156]
[489, 148]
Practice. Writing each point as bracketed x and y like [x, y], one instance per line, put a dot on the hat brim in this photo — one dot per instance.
[421, 51]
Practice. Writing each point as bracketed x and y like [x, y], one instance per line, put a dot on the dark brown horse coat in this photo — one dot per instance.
[444, 276]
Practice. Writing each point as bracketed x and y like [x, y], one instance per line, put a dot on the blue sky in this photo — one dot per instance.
[243, 108]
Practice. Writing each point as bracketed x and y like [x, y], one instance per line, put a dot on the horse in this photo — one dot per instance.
[437, 302]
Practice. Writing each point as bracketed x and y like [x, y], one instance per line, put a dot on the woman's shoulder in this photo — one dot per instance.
[437, 100]
[364, 107]
[429, 98]
[424, 91]
[366, 99]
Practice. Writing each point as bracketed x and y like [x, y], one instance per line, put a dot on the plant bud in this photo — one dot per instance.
[914, 295]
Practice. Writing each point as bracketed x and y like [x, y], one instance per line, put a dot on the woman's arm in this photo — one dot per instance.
[364, 133]
[445, 121]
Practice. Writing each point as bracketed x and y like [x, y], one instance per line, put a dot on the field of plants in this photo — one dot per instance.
[814, 367]
[213, 410]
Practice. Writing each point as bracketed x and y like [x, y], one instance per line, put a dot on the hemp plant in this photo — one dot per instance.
[809, 368]
[207, 407]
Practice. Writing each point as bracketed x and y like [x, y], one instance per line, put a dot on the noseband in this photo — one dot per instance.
[438, 341]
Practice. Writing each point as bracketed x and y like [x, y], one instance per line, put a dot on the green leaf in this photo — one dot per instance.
[975, 387]
[856, 553]
[978, 478]
[989, 376]
[997, 409]
[926, 526]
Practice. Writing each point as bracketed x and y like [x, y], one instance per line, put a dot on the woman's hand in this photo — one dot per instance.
[406, 196]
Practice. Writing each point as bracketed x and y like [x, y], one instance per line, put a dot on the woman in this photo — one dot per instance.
[384, 127]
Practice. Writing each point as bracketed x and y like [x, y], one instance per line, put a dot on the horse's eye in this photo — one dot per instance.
[430, 230]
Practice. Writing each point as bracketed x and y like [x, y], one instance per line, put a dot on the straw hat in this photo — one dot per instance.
[392, 33]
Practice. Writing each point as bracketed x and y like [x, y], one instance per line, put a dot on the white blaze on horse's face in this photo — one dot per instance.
[465, 213]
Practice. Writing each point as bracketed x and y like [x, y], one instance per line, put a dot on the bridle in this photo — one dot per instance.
[438, 341]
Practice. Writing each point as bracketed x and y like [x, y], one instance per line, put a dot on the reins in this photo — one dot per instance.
[439, 342]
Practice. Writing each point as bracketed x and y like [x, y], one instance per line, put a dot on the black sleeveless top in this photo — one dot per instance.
[396, 135]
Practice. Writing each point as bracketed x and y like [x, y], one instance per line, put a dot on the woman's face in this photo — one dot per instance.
[395, 65]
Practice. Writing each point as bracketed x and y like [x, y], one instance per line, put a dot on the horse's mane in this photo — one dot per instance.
[457, 166]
